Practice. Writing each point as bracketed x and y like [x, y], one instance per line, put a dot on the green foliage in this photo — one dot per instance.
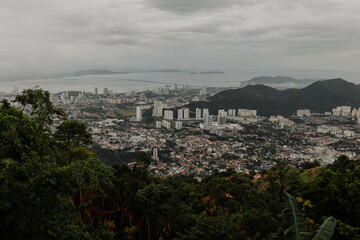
[294, 220]
[297, 230]
[42, 109]
[326, 229]
[73, 133]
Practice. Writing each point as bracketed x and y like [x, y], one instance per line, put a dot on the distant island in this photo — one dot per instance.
[208, 72]
[264, 80]
[167, 71]
[96, 72]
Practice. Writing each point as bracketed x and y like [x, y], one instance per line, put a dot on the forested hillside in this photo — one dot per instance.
[53, 187]
[319, 97]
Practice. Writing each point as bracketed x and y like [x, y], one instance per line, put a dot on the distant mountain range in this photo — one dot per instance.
[320, 96]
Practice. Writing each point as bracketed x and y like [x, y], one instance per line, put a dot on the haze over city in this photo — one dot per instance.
[58, 36]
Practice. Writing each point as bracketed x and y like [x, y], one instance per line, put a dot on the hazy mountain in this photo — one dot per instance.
[320, 96]
[277, 80]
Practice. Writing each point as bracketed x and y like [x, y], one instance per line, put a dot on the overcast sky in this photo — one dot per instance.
[182, 34]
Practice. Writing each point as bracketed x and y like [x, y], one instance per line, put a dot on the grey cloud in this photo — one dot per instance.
[168, 31]
[186, 6]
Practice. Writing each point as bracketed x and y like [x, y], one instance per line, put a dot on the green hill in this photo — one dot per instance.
[320, 96]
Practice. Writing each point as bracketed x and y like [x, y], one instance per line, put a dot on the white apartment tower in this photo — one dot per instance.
[158, 124]
[156, 154]
[168, 114]
[157, 111]
[205, 112]
[138, 114]
[198, 113]
[186, 114]
[178, 125]
[180, 114]
[208, 120]
[221, 120]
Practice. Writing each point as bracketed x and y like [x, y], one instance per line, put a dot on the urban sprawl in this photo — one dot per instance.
[193, 141]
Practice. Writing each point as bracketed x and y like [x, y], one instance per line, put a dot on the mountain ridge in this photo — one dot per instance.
[319, 96]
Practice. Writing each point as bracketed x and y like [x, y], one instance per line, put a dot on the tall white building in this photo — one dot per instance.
[232, 113]
[198, 113]
[208, 120]
[168, 114]
[222, 113]
[158, 124]
[178, 125]
[158, 107]
[344, 111]
[106, 91]
[303, 112]
[166, 124]
[186, 114]
[96, 91]
[203, 91]
[138, 114]
[247, 113]
[221, 120]
[180, 114]
[156, 154]
[205, 112]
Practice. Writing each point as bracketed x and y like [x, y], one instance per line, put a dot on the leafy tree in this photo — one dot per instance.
[73, 133]
[41, 109]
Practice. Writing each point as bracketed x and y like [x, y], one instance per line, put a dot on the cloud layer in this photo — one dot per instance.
[300, 34]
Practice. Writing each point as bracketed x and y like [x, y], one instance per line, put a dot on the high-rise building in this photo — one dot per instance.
[138, 114]
[168, 114]
[222, 113]
[142, 96]
[180, 114]
[344, 111]
[203, 91]
[205, 112]
[232, 113]
[198, 113]
[178, 125]
[166, 124]
[158, 124]
[208, 120]
[247, 113]
[156, 154]
[303, 112]
[106, 92]
[66, 94]
[186, 114]
[96, 91]
[157, 111]
[221, 120]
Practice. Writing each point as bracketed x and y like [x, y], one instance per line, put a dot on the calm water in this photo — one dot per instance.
[150, 81]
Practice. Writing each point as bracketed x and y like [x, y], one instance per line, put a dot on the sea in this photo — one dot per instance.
[142, 81]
